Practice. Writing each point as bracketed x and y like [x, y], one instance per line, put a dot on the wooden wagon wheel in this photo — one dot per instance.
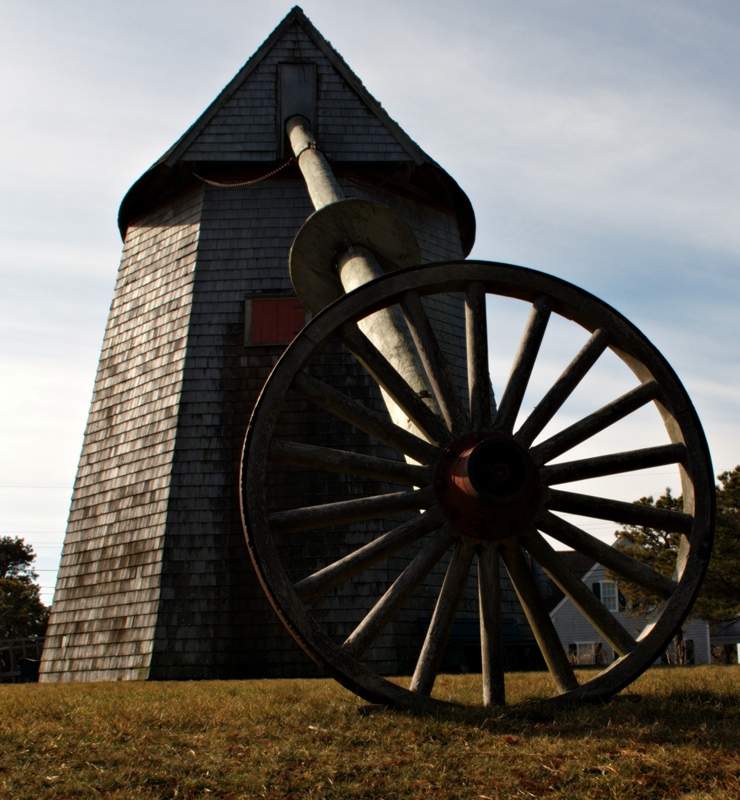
[479, 485]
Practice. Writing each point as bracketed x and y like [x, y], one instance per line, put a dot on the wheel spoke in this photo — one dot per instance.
[582, 597]
[387, 377]
[562, 389]
[618, 511]
[595, 423]
[448, 601]
[604, 554]
[538, 617]
[521, 371]
[434, 363]
[319, 583]
[365, 419]
[613, 464]
[399, 592]
[355, 510]
[491, 626]
[347, 463]
[479, 378]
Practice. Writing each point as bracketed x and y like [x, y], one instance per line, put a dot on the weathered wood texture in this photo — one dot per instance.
[243, 129]
[155, 580]
[517, 542]
[108, 590]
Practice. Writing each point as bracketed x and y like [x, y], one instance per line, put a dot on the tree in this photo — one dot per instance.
[719, 598]
[654, 548]
[21, 611]
[16, 559]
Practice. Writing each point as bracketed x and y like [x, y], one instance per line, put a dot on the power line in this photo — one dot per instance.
[7, 486]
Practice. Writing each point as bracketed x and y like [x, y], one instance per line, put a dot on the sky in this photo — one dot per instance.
[597, 140]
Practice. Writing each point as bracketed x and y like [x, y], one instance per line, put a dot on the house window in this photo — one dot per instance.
[607, 592]
[272, 320]
[586, 653]
[609, 595]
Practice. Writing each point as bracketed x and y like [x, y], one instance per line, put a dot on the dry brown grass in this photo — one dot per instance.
[675, 735]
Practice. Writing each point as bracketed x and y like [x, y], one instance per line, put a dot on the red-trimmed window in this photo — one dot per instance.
[273, 320]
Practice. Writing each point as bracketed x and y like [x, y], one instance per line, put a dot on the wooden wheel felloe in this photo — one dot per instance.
[477, 488]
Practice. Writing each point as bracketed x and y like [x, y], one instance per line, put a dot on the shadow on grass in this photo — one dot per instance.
[679, 716]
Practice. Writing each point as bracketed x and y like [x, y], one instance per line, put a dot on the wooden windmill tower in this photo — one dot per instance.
[155, 580]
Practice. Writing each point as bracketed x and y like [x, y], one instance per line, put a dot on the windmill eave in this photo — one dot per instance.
[173, 171]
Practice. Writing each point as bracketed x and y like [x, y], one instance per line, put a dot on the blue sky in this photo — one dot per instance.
[596, 140]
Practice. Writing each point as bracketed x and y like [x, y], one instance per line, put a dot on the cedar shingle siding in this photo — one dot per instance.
[245, 127]
[108, 589]
[155, 580]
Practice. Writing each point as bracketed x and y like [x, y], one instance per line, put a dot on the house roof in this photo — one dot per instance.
[238, 131]
[579, 563]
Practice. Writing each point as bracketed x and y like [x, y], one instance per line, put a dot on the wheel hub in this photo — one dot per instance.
[487, 485]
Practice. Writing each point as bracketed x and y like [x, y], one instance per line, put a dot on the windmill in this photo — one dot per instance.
[386, 492]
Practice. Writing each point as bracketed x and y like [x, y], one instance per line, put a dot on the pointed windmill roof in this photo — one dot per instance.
[239, 132]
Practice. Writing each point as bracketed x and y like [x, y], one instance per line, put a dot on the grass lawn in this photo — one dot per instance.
[675, 734]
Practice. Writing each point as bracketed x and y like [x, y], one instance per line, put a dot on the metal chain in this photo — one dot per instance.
[309, 146]
[234, 185]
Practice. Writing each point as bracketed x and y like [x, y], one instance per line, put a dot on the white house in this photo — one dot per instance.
[727, 637]
[584, 643]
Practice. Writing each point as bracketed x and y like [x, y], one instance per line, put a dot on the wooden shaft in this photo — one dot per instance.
[322, 185]
[434, 363]
[356, 266]
[398, 382]
[387, 331]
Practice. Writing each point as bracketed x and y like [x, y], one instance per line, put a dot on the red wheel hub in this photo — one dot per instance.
[487, 485]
